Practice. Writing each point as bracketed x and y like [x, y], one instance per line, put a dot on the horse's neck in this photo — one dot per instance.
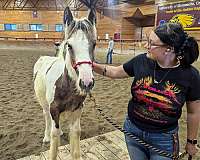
[66, 58]
[61, 50]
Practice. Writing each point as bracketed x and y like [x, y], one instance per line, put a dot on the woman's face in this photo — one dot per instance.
[155, 47]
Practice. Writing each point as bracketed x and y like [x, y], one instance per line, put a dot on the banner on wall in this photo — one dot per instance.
[187, 13]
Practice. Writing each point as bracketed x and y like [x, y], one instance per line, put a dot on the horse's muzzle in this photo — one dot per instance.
[86, 86]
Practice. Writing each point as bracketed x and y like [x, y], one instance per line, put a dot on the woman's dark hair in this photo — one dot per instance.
[184, 46]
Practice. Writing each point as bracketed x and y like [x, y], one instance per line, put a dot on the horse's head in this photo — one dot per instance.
[80, 41]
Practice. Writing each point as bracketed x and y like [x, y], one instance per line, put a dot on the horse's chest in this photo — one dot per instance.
[66, 95]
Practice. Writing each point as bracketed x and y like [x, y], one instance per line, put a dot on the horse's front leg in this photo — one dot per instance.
[55, 132]
[47, 116]
[74, 134]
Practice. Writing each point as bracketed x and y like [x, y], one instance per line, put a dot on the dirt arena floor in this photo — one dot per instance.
[21, 117]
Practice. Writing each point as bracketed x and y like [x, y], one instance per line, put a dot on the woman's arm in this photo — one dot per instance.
[193, 122]
[110, 71]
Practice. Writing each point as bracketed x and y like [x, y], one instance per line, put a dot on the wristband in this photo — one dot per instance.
[104, 71]
[192, 141]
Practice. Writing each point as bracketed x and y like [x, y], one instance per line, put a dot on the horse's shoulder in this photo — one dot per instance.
[45, 61]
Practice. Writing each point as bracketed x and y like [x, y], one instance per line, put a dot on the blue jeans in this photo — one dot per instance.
[164, 141]
[109, 57]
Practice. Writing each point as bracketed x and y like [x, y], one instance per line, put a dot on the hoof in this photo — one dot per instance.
[46, 139]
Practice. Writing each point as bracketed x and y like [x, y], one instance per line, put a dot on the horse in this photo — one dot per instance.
[62, 82]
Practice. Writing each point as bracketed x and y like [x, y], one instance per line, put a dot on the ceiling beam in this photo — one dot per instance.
[21, 3]
[61, 4]
[7, 3]
[25, 4]
[32, 3]
[35, 5]
[56, 5]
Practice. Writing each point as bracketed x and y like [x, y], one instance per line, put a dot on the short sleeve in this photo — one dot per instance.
[194, 89]
[131, 65]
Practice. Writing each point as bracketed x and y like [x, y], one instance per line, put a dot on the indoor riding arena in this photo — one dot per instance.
[30, 29]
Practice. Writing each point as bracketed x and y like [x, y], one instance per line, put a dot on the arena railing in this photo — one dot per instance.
[30, 39]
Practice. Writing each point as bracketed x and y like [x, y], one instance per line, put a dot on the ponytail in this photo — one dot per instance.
[189, 51]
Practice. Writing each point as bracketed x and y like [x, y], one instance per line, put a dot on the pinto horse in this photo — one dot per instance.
[61, 83]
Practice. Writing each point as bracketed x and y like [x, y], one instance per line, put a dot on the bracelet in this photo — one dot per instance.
[104, 71]
[192, 141]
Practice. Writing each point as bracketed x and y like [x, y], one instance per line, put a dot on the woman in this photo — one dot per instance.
[163, 81]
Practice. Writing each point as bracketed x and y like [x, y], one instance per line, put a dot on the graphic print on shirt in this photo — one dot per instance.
[155, 104]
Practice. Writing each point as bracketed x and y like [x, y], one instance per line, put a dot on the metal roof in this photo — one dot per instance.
[61, 4]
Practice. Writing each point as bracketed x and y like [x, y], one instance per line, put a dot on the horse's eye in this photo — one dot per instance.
[69, 47]
[94, 45]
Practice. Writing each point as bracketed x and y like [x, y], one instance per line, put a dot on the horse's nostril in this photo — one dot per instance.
[81, 84]
[92, 83]
[86, 86]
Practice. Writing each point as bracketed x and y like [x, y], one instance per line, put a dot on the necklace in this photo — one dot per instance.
[177, 65]
[154, 75]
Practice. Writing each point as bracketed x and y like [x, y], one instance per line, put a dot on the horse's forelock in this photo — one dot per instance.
[82, 24]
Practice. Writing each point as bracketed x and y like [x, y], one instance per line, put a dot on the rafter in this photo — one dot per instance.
[35, 5]
[7, 3]
[25, 4]
[21, 3]
[32, 3]
[56, 5]
[61, 4]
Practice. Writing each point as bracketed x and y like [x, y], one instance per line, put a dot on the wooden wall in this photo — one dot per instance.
[23, 18]
[112, 20]
[109, 22]
[120, 19]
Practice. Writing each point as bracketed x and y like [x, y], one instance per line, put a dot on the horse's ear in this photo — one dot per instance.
[68, 17]
[92, 16]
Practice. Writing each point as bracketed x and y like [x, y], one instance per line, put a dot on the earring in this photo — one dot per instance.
[179, 57]
[168, 49]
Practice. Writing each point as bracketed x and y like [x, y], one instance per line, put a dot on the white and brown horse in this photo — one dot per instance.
[62, 83]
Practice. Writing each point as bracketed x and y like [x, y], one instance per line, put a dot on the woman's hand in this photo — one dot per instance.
[110, 71]
[193, 122]
[191, 149]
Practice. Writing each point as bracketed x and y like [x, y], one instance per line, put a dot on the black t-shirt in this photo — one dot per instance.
[158, 94]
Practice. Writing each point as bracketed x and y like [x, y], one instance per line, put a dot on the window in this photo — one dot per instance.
[35, 27]
[10, 27]
[59, 27]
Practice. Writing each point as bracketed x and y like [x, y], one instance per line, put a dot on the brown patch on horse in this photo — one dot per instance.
[66, 97]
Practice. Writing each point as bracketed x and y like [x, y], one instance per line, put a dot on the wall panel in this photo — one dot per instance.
[115, 19]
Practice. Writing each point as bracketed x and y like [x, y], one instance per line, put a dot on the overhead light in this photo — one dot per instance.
[18, 2]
